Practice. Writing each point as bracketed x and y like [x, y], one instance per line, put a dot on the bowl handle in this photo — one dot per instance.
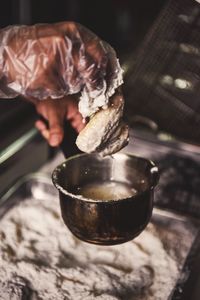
[154, 175]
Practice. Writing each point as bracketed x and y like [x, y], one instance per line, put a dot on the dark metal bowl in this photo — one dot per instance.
[99, 221]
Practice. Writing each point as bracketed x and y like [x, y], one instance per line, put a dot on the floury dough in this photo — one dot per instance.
[91, 101]
[105, 133]
[40, 259]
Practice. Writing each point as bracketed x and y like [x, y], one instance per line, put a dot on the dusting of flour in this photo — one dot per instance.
[40, 258]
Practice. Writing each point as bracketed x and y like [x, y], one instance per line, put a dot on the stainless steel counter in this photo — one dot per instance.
[174, 233]
[35, 241]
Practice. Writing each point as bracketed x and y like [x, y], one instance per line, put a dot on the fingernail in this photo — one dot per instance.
[54, 140]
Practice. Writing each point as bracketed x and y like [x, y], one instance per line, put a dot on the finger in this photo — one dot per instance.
[80, 127]
[77, 122]
[43, 130]
[71, 114]
[45, 134]
[55, 119]
[72, 110]
[40, 125]
[41, 108]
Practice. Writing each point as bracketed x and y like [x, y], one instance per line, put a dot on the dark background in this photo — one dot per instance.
[122, 23]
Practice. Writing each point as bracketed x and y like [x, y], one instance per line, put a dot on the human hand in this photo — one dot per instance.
[48, 61]
[55, 111]
[53, 60]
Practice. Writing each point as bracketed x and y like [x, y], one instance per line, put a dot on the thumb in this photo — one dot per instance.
[56, 133]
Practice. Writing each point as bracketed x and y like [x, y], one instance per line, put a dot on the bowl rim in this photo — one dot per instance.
[153, 170]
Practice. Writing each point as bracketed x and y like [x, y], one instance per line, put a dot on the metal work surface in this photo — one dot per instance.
[40, 259]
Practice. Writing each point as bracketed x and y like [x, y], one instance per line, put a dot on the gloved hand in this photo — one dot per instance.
[54, 60]
[48, 61]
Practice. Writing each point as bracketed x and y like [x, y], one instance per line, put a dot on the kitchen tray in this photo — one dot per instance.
[174, 229]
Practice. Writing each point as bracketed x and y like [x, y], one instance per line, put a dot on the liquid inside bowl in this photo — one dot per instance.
[106, 191]
[91, 189]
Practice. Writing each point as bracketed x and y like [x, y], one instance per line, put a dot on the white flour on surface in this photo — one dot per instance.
[40, 259]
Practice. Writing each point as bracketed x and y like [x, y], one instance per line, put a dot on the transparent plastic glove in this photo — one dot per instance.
[54, 60]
